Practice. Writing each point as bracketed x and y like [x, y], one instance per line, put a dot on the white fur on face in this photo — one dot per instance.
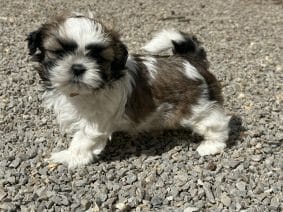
[104, 108]
[83, 31]
[62, 78]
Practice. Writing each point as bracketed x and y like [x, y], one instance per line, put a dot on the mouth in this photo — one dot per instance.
[78, 84]
[76, 81]
[75, 87]
[73, 94]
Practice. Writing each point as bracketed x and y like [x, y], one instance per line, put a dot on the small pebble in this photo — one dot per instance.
[256, 158]
[225, 200]
[191, 209]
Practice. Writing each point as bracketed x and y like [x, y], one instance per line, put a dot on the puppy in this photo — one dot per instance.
[96, 88]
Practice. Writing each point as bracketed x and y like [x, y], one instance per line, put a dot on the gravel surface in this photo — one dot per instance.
[162, 172]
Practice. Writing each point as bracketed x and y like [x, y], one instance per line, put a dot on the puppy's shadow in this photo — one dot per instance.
[123, 146]
[236, 130]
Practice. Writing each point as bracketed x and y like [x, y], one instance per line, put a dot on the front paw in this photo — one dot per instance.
[210, 148]
[71, 158]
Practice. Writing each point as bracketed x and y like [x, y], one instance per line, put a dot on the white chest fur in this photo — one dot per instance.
[102, 110]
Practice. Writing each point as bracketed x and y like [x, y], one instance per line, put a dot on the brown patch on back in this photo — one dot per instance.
[171, 89]
[196, 55]
[171, 86]
[140, 104]
[214, 87]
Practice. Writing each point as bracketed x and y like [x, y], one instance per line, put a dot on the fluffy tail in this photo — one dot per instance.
[179, 42]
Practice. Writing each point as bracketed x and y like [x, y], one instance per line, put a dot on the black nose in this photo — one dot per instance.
[78, 69]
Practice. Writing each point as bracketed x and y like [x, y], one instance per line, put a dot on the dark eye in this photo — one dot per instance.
[95, 47]
[95, 51]
[90, 52]
[68, 46]
[96, 55]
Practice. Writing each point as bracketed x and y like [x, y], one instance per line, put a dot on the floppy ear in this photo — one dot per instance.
[120, 56]
[34, 41]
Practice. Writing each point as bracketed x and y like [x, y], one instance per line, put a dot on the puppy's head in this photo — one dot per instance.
[77, 54]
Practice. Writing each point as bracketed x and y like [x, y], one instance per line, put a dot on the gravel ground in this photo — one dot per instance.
[162, 172]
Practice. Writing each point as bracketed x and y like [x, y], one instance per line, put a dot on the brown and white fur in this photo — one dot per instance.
[96, 88]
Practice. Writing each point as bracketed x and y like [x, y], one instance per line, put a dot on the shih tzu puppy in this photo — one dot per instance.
[96, 88]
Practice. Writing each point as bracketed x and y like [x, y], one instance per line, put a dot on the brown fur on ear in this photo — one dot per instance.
[120, 56]
[120, 51]
[35, 38]
[110, 24]
[34, 41]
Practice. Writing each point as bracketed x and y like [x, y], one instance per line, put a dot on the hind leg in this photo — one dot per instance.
[212, 124]
[215, 130]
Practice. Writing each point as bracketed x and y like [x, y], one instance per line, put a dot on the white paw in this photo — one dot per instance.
[72, 159]
[97, 151]
[99, 147]
[210, 147]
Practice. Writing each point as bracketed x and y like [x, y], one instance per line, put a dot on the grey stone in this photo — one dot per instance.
[233, 164]
[208, 193]
[182, 177]
[15, 163]
[80, 183]
[259, 189]
[50, 193]
[102, 196]
[132, 203]
[266, 201]
[175, 192]
[275, 202]
[131, 178]
[31, 153]
[4, 163]
[225, 200]
[110, 201]
[256, 158]
[2, 195]
[41, 191]
[241, 185]
[156, 201]
[199, 204]
[11, 180]
[8, 206]
[64, 200]
[85, 204]
[43, 171]
[191, 209]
